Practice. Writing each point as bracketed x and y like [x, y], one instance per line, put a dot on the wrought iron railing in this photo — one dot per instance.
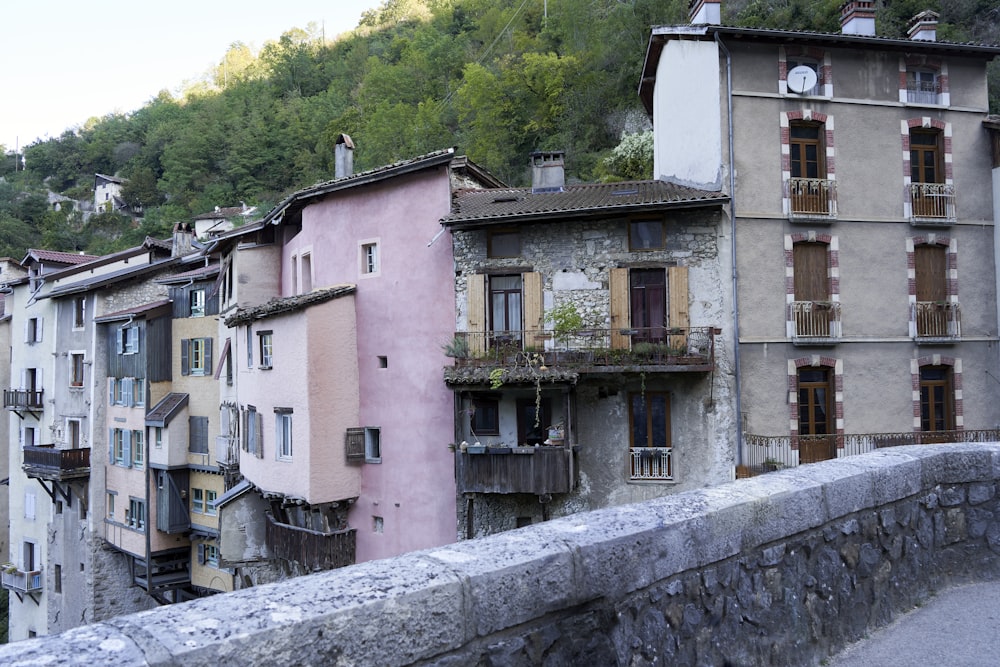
[652, 463]
[922, 92]
[815, 319]
[932, 202]
[692, 347]
[22, 581]
[812, 197]
[312, 549]
[22, 399]
[937, 319]
[767, 453]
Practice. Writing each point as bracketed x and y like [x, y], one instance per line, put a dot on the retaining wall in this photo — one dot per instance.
[785, 568]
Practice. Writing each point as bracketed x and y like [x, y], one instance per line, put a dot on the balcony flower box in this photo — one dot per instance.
[475, 449]
[498, 450]
[523, 450]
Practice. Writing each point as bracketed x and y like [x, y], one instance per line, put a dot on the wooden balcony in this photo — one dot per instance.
[22, 399]
[535, 470]
[766, 453]
[550, 354]
[937, 321]
[932, 204]
[815, 322]
[812, 199]
[311, 549]
[47, 462]
[22, 582]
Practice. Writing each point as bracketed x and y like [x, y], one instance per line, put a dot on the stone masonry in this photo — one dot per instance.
[785, 568]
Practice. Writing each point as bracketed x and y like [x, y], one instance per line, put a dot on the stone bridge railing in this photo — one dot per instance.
[785, 568]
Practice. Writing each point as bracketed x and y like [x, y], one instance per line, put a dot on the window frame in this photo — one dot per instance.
[283, 441]
[137, 449]
[369, 258]
[496, 240]
[197, 302]
[265, 344]
[79, 313]
[373, 444]
[197, 500]
[76, 373]
[488, 406]
[635, 234]
[136, 506]
[211, 497]
[648, 462]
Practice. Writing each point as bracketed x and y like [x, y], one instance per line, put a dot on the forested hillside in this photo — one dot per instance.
[494, 78]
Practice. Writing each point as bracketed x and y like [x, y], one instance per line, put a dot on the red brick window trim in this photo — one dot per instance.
[837, 366]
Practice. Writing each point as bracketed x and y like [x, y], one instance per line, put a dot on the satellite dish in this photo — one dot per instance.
[801, 79]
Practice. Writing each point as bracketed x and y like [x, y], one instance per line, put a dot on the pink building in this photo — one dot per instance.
[337, 307]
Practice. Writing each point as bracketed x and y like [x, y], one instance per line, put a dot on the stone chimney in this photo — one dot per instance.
[705, 11]
[923, 26]
[857, 17]
[182, 239]
[344, 157]
[548, 171]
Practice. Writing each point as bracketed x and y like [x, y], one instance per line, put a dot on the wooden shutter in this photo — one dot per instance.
[931, 270]
[677, 292]
[259, 435]
[475, 294]
[185, 357]
[531, 288]
[208, 356]
[618, 288]
[354, 444]
[811, 282]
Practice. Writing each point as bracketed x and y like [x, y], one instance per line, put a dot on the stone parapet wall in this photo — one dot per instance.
[785, 568]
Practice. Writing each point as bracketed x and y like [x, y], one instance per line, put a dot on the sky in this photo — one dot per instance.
[65, 61]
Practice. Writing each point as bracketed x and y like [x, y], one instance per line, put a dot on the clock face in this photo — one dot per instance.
[801, 79]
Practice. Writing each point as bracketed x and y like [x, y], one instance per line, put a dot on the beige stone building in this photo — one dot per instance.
[863, 225]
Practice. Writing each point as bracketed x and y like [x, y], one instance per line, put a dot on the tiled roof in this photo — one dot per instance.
[281, 305]
[57, 256]
[193, 274]
[102, 279]
[164, 411]
[130, 312]
[594, 199]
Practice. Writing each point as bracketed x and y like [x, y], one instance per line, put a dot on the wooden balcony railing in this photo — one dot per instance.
[937, 319]
[310, 548]
[593, 350]
[21, 581]
[815, 319]
[932, 203]
[227, 450]
[47, 462]
[22, 399]
[652, 463]
[812, 198]
[536, 470]
[767, 453]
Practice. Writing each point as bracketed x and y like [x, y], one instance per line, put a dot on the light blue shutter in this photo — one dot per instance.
[111, 446]
[111, 391]
[127, 448]
[185, 354]
[119, 335]
[208, 356]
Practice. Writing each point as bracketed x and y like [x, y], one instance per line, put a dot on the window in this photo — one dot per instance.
[196, 356]
[646, 235]
[33, 330]
[138, 450]
[76, 369]
[73, 433]
[812, 308]
[79, 312]
[533, 421]
[925, 156]
[249, 347]
[505, 305]
[198, 435]
[117, 391]
[937, 410]
[931, 195]
[486, 416]
[816, 418]
[198, 501]
[648, 298]
[158, 437]
[265, 340]
[211, 555]
[373, 444]
[136, 517]
[128, 340]
[283, 432]
[922, 87]
[138, 391]
[118, 446]
[58, 578]
[369, 258]
[503, 243]
[252, 426]
[111, 505]
[306, 273]
[650, 452]
[210, 498]
[196, 300]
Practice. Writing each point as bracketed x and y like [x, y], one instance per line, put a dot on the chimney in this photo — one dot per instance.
[923, 26]
[705, 11]
[857, 17]
[547, 171]
[182, 239]
[344, 157]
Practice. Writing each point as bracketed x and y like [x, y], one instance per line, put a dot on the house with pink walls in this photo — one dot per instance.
[336, 307]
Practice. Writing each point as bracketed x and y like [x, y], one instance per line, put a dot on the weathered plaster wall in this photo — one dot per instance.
[787, 567]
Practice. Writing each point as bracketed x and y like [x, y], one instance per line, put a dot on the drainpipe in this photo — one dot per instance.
[732, 221]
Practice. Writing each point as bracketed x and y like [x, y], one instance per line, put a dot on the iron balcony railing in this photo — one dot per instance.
[922, 92]
[312, 549]
[21, 581]
[815, 319]
[652, 463]
[812, 198]
[47, 462]
[681, 348]
[937, 320]
[932, 203]
[22, 399]
[767, 453]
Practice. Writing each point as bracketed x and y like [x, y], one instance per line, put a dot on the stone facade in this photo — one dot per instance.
[787, 568]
